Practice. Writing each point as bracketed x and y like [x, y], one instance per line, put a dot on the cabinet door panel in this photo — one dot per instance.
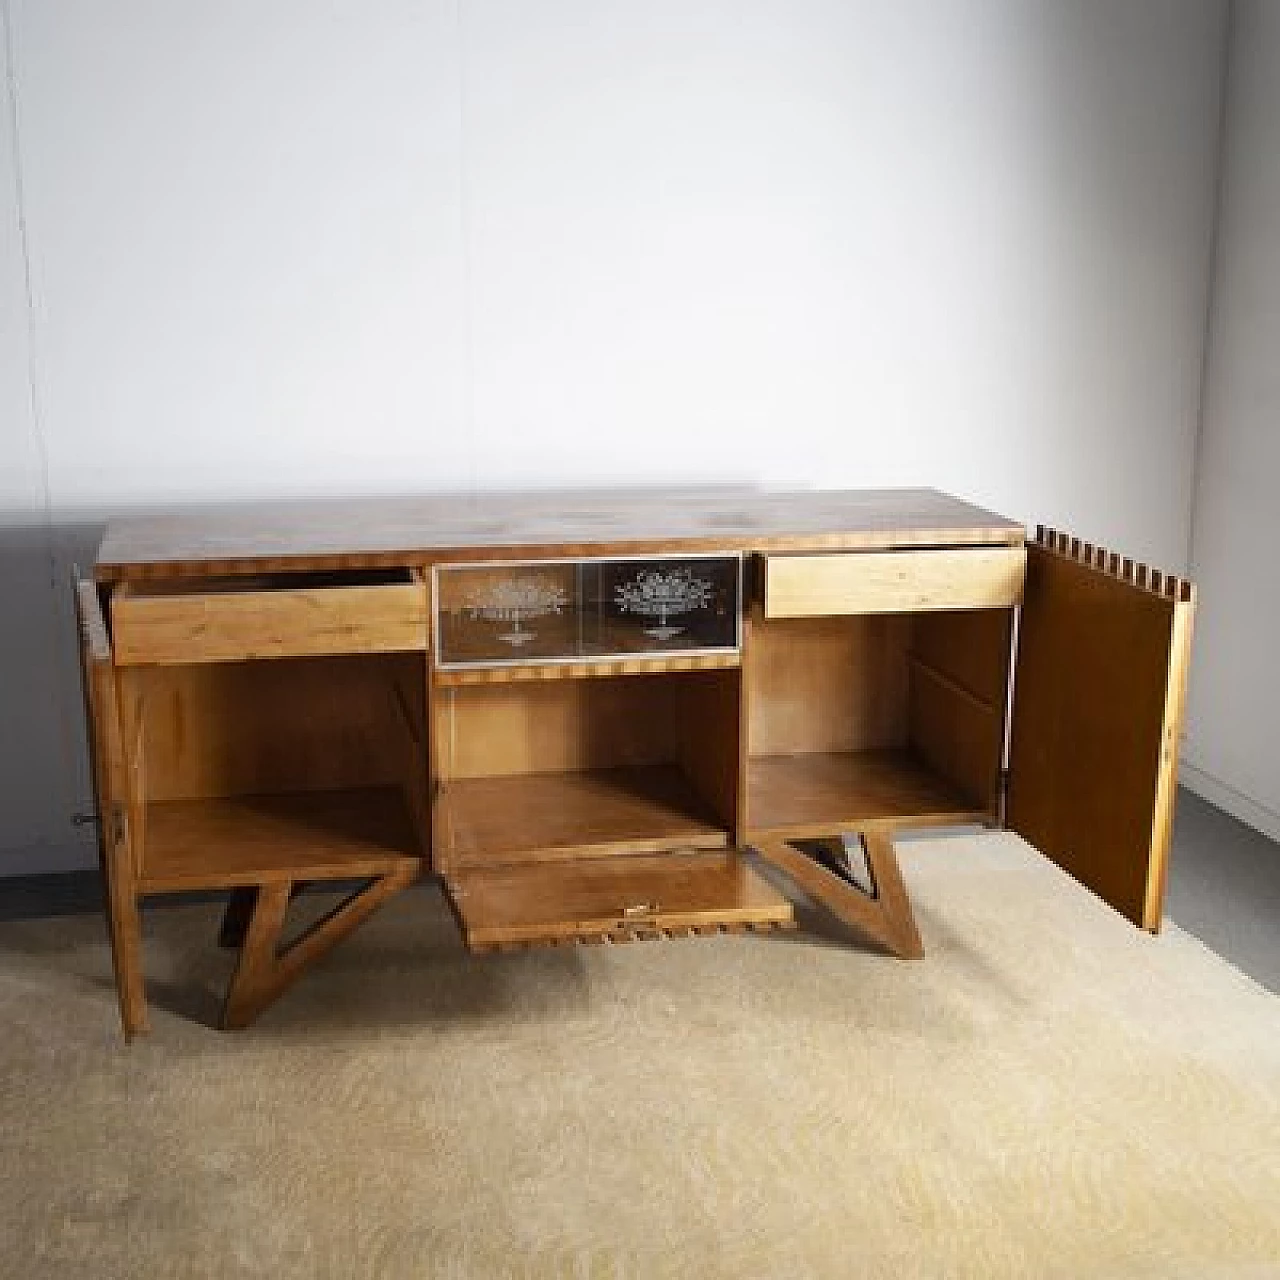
[613, 899]
[1098, 703]
[106, 752]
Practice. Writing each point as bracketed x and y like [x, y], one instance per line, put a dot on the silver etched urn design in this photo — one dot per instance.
[516, 601]
[663, 594]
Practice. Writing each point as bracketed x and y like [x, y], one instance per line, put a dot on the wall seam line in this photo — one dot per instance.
[465, 264]
[1214, 271]
[68, 732]
[34, 405]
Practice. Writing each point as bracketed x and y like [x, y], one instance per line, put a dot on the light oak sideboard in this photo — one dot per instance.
[611, 717]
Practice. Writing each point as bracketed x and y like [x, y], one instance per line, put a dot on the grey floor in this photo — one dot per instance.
[1224, 888]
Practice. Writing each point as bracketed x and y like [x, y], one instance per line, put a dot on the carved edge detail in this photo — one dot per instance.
[1113, 565]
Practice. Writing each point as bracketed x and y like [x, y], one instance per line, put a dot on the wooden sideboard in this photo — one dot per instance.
[611, 717]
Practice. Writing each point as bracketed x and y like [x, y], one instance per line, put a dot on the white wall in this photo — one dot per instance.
[39, 778]
[1235, 692]
[280, 247]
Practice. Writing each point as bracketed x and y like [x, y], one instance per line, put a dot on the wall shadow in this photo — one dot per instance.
[44, 774]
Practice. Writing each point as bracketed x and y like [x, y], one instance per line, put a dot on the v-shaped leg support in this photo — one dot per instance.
[881, 910]
[265, 971]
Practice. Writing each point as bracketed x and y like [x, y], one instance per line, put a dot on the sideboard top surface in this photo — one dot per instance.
[338, 533]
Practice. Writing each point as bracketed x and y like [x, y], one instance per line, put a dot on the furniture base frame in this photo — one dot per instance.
[265, 969]
[881, 912]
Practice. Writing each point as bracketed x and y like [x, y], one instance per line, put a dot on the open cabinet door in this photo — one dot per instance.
[1098, 701]
[106, 753]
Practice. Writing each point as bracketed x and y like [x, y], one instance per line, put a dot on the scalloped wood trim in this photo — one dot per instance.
[1114, 565]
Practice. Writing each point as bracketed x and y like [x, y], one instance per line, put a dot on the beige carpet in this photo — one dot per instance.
[1049, 1093]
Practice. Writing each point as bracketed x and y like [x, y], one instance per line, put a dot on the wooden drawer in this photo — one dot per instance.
[298, 615]
[893, 581]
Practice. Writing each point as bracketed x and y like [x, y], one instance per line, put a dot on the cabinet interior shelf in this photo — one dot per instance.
[541, 817]
[226, 841]
[810, 794]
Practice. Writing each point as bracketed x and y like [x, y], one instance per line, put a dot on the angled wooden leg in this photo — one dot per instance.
[235, 920]
[884, 914]
[265, 972]
[901, 936]
[252, 978]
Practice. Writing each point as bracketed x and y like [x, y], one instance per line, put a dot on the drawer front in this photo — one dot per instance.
[893, 581]
[518, 614]
[233, 625]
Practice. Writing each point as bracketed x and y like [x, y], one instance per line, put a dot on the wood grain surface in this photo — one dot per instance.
[958, 697]
[623, 899]
[258, 537]
[818, 793]
[884, 914]
[254, 840]
[1098, 705]
[827, 684]
[917, 581]
[110, 787]
[295, 724]
[542, 817]
[232, 626]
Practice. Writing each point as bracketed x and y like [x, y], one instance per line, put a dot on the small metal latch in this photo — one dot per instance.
[639, 909]
[118, 827]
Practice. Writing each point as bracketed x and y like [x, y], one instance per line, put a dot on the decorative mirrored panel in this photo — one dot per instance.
[578, 610]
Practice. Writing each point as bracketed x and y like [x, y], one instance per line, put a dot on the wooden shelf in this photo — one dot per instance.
[248, 840]
[655, 664]
[543, 817]
[614, 899]
[816, 793]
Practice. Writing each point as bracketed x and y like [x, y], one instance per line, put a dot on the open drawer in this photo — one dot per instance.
[915, 581]
[614, 900]
[273, 616]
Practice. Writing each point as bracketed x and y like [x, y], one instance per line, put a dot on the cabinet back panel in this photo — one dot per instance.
[827, 684]
[248, 728]
[556, 726]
